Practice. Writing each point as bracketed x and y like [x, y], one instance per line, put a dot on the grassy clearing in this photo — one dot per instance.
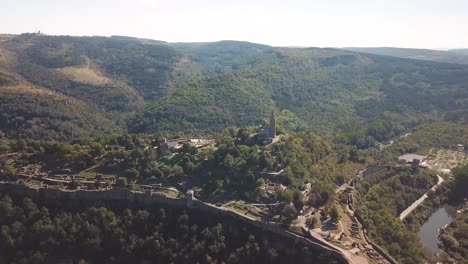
[85, 75]
[168, 193]
[88, 175]
[246, 209]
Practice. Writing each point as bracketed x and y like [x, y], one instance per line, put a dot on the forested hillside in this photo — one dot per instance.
[145, 86]
[222, 56]
[381, 197]
[328, 90]
[38, 234]
[450, 56]
[460, 51]
[100, 82]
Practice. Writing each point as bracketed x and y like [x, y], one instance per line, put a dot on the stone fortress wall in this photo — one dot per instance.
[119, 195]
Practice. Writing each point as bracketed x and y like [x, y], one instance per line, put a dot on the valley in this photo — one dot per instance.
[342, 153]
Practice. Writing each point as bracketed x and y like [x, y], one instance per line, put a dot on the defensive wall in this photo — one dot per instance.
[363, 223]
[123, 195]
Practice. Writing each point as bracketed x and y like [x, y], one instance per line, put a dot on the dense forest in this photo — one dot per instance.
[144, 86]
[450, 56]
[38, 234]
[436, 135]
[380, 199]
[454, 238]
[460, 185]
[327, 90]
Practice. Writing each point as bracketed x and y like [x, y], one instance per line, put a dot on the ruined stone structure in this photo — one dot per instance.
[268, 132]
[162, 147]
[272, 125]
[415, 165]
[190, 196]
[374, 169]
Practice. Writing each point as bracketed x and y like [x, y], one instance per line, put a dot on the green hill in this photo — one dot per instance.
[148, 86]
[328, 90]
[210, 105]
[460, 51]
[451, 56]
[222, 56]
[111, 77]
[37, 113]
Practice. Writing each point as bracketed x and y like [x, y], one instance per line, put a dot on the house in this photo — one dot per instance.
[272, 187]
[200, 143]
[163, 146]
[424, 165]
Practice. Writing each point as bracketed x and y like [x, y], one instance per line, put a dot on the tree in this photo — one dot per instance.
[298, 200]
[96, 149]
[132, 173]
[189, 149]
[260, 182]
[74, 184]
[334, 214]
[8, 171]
[228, 161]
[259, 193]
[219, 183]
[20, 144]
[340, 179]
[243, 134]
[289, 212]
[310, 222]
[4, 147]
[265, 161]
[121, 182]
[460, 185]
[272, 255]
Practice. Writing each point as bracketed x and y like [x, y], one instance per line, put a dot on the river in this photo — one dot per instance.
[430, 229]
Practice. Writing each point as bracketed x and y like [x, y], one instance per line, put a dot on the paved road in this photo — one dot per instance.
[413, 206]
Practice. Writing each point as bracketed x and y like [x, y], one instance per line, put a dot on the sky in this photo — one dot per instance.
[433, 24]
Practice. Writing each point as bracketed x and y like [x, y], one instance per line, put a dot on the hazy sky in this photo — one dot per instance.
[328, 23]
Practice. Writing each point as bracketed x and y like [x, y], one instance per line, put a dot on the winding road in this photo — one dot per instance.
[414, 205]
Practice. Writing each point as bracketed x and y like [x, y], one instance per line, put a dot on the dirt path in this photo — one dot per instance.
[352, 258]
[414, 205]
[8, 154]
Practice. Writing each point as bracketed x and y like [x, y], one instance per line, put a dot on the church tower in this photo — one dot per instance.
[272, 125]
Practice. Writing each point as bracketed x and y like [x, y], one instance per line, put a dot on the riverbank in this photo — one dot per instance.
[453, 239]
[421, 215]
[429, 231]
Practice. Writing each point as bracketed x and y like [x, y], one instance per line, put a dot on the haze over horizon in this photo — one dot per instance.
[432, 24]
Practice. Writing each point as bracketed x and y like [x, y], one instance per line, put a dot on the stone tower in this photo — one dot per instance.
[272, 125]
[190, 197]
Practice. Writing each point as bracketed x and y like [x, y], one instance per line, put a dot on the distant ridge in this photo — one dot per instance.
[460, 51]
[451, 56]
[53, 85]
